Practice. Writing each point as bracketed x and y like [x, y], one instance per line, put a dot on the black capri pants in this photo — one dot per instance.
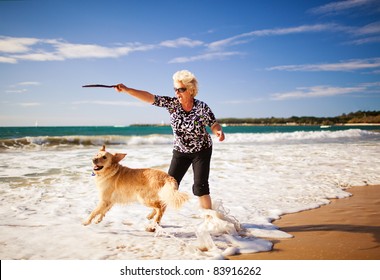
[201, 167]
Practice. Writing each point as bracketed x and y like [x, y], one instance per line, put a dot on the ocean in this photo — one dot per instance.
[257, 174]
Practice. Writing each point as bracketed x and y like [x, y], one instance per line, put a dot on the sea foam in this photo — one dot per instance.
[47, 191]
[339, 136]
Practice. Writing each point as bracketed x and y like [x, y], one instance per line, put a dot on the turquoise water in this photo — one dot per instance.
[20, 132]
[65, 137]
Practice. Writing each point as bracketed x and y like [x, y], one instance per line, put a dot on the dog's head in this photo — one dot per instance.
[104, 160]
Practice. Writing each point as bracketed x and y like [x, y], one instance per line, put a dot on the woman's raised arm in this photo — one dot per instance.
[139, 94]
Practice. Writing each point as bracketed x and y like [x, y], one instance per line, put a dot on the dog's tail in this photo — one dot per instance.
[170, 195]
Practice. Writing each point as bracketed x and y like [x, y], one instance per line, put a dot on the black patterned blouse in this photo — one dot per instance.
[189, 128]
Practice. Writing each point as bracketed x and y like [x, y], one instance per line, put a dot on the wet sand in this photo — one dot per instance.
[345, 229]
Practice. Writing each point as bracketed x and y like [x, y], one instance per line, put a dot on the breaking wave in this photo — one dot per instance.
[68, 141]
[340, 136]
[165, 139]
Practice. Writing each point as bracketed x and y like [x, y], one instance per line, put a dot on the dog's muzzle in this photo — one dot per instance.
[96, 167]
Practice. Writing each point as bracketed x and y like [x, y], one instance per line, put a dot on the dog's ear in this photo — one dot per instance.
[103, 148]
[118, 157]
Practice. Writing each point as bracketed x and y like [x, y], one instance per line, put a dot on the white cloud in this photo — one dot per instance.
[341, 6]
[72, 51]
[369, 29]
[16, 90]
[369, 33]
[29, 84]
[294, 30]
[367, 40]
[34, 49]
[30, 104]
[242, 38]
[206, 56]
[181, 42]
[316, 91]
[13, 50]
[347, 65]
[67, 50]
[16, 45]
[374, 84]
[10, 60]
[41, 56]
[20, 87]
[63, 51]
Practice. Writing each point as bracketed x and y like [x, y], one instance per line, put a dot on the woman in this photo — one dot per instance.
[188, 118]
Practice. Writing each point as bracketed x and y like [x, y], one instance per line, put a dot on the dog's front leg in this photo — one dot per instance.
[89, 219]
[103, 210]
[100, 210]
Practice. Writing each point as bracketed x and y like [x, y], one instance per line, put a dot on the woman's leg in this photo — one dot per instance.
[179, 166]
[201, 168]
[205, 201]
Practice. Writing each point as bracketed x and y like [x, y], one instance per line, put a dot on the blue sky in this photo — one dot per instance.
[252, 58]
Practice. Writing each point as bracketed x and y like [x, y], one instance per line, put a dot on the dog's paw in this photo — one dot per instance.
[152, 214]
[150, 229]
[86, 223]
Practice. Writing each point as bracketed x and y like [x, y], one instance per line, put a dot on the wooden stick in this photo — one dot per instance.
[97, 85]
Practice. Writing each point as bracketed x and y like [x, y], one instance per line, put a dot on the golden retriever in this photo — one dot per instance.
[120, 184]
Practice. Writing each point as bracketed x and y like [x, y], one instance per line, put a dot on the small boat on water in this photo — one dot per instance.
[325, 126]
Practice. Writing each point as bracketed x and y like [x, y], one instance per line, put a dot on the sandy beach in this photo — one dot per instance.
[345, 229]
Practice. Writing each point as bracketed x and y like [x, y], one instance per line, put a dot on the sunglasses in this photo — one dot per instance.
[180, 90]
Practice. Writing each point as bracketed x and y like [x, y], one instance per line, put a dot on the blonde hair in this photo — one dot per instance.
[188, 79]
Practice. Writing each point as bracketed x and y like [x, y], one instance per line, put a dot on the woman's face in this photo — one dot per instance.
[181, 92]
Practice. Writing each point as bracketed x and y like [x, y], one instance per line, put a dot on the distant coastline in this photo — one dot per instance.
[356, 118]
[359, 118]
[266, 124]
